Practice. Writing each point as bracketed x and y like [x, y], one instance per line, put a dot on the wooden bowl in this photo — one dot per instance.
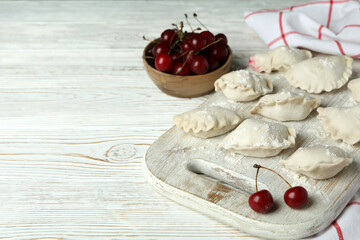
[183, 86]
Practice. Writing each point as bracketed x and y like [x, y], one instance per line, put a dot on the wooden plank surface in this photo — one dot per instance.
[78, 113]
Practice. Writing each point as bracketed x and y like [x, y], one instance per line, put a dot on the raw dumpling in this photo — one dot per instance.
[322, 73]
[280, 58]
[341, 123]
[258, 138]
[286, 106]
[208, 121]
[354, 86]
[318, 162]
[243, 86]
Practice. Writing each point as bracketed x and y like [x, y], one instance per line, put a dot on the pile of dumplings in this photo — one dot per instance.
[260, 138]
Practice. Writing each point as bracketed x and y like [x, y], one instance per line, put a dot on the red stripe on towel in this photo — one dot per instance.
[340, 47]
[338, 230]
[347, 26]
[282, 30]
[292, 7]
[329, 15]
[319, 37]
[354, 203]
[286, 34]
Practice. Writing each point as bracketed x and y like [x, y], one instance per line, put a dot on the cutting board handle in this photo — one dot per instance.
[217, 173]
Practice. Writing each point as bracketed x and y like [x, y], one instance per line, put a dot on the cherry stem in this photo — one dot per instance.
[155, 41]
[173, 45]
[179, 70]
[175, 25]
[146, 39]
[190, 53]
[214, 42]
[195, 16]
[187, 20]
[257, 173]
[186, 61]
[149, 57]
[259, 166]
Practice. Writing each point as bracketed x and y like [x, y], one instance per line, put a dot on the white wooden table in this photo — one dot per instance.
[78, 113]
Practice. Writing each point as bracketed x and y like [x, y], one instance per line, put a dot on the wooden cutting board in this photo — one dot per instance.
[196, 173]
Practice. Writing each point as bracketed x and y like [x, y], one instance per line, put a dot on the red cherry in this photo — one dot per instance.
[219, 52]
[168, 36]
[213, 63]
[261, 201]
[197, 42]
[160, 48]
[199, 64]
[185, 46]
[163, 62]
[181, 69]
[208, 36]
[296, 197]
[223, 38]
[176, 57]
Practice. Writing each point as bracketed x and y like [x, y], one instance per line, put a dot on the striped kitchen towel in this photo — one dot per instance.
[331, 27]
[346, 226]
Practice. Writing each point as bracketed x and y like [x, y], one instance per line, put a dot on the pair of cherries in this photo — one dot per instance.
[262, 201]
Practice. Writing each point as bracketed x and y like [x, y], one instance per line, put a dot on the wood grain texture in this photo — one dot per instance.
[78, 112]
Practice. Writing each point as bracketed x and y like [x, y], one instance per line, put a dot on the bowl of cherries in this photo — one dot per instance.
[186, 64]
